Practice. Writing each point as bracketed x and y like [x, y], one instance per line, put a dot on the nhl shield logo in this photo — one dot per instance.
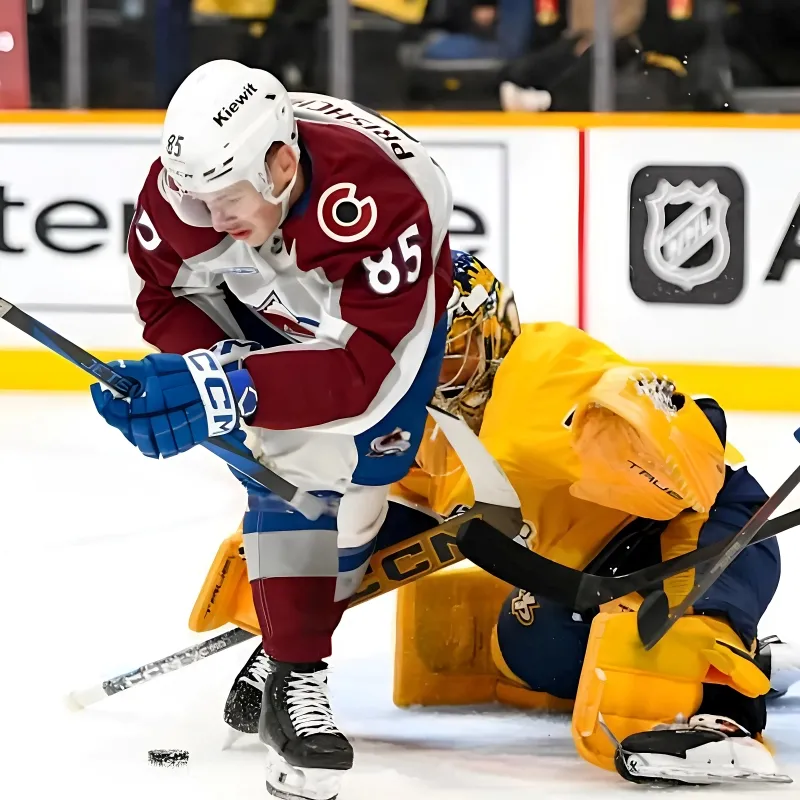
[668, 247]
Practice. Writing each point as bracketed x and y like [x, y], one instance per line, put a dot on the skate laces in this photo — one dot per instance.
[307, 704]
[258, 671]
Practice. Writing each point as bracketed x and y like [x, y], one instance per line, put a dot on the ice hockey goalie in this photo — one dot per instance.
[616, 468]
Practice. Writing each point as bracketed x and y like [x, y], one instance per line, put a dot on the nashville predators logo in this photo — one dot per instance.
[522, 607]
[469, 273]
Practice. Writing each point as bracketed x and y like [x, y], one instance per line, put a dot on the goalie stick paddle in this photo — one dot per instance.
[655, 617]
[227, 447]
[581, 591]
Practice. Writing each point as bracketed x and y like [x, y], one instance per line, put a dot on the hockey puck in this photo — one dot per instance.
[168, 758]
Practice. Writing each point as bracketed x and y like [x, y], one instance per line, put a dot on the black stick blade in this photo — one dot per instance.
[653, 614]
[513, 563]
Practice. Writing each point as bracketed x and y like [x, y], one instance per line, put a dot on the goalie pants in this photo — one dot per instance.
[303, 572]
[543, 643]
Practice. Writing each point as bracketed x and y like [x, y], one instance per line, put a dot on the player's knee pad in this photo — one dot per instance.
[540, 644]
[635, 689]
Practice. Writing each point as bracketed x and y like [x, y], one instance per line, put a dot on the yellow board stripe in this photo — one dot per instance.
[426, 119]
[736, 388]
[43, 371]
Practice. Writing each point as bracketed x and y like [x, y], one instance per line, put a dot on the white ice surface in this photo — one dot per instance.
[102, 553]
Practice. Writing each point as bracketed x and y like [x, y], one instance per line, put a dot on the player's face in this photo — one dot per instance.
[241, 212]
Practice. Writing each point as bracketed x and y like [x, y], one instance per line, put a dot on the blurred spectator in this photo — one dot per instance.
[670, 54]
[288, 47]
[173, 36]
[559, 75]
[483, 29]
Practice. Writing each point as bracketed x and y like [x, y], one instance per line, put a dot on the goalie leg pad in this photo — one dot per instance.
[225, 595]
[443, 638]
[635, 689]
[447, 650]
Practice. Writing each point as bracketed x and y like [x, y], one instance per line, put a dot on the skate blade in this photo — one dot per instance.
[288, 796]
[231, 737]
[692, 777]
[292, 783]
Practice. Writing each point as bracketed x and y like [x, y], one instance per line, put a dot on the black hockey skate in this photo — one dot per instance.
[705, 750]
[308, 754]
[243, 706]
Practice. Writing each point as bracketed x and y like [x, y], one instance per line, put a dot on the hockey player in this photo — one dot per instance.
[466, 375]
[293, 269]
[616, 468]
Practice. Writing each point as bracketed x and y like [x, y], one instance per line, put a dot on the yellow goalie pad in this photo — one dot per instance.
[645, 448]
[225, 596]
[446, 650]
[635, 689]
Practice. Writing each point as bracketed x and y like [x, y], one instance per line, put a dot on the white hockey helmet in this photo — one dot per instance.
[218, 128]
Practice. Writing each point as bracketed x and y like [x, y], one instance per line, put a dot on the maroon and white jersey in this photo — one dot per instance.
[355, 279]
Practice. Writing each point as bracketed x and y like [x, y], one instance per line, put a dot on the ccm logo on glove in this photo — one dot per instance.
[215, 391]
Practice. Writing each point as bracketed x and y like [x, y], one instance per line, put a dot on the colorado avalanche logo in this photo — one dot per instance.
[284, 320]
[391, 444]
[342, 216]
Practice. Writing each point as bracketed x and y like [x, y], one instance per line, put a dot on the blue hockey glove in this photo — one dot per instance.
[231, 353]
[183, 400]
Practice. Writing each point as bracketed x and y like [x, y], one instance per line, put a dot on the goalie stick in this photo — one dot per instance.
[227, 447]
[80, 699]
[655, 617]
[505, 559]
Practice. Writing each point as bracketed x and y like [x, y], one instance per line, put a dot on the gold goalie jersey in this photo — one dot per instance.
[587, 442]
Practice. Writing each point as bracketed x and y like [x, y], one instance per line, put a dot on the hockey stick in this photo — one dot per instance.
[155, 669]
[227, 447]
[581, 591]
[655, 617]
[376, 583]
[496, 500]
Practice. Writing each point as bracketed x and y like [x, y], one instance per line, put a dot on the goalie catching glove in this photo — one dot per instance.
[181, 401]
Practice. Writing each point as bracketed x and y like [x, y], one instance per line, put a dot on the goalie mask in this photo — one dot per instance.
[644, 448]
[482, 325]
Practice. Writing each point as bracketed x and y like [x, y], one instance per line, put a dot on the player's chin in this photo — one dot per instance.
[254, 238]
